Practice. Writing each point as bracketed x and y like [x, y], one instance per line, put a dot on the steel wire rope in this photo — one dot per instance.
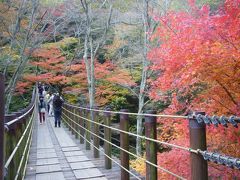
[115, 139]
[20, 117]
[129, 113]
[143, 137]
[18, 144]
[150, 163]
[101, 150]
[24, 152]
[25, 166]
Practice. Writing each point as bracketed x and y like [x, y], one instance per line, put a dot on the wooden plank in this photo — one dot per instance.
[77, 159]
[82, 165]
[89, 173]
[48, 168]
[50, 176]
[74, 153]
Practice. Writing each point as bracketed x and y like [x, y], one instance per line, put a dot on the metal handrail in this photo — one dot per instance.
[134, 155]
[24, 142]
[18, 144]
[102, 151]
[28, 143]
[135, 135]
[19, 118]
[70, 116]
[8, 124]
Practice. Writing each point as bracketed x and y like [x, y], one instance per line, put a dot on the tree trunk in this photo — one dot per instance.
[141, 97]
[23, 58]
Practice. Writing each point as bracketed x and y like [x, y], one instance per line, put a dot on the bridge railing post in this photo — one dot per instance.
[68, 118]
[199, 167]
[76, 120]
[12, 168]
[81, 123]
[151, 147]
[64, 113]
[72, 120]
[9, 144]
[96, 132]
[88, 127]
[107, 136]
[2, 89]
[19, 131]
[124, 144]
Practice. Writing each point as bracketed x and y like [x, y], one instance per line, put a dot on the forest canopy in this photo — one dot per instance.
[174, 56]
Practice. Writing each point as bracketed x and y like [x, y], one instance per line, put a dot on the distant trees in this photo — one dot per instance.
[20, 21]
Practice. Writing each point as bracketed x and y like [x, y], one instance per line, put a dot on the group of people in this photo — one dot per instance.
[50, 103]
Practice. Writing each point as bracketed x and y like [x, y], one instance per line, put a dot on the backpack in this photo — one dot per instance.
[57, 102]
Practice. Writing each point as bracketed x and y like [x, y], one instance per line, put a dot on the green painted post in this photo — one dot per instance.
[107, 136]
[199, 167]
[95, 138]
[124, 144]
[151, 148]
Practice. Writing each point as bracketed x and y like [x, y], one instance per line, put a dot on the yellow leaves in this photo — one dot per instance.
[139, 165]
[7, 15]
[51, 2]
[7, 51]
[66, 42]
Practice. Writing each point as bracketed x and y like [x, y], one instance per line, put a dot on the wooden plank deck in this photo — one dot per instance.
[57, 155]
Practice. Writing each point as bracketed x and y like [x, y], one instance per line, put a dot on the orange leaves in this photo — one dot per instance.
[200, 49]
[122, 77]
[199, 59]
[22, 86]
[52, 62]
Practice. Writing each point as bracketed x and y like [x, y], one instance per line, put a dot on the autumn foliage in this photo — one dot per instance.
[198, 59]
[55, 69]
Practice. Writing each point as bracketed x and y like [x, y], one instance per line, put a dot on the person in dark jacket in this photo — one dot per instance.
[41, 109]
[40, 89]
[57, 108]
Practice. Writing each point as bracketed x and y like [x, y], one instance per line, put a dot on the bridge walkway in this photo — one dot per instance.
[56, 155]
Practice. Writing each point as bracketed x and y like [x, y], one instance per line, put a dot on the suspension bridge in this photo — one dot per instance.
[83, 148]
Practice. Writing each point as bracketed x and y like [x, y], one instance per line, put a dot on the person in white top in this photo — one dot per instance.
[50, 102]
[46, 99]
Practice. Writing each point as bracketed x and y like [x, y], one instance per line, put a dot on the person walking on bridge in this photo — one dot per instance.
[41, 109]
[57, 107]
[50, 102]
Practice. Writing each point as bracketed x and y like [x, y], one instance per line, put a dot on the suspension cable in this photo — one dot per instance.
[18, 144]
[25, 166]
[101, 150]
[135, 135]
[159, 167]
[128, 113]
[115, 139]
[20, 117]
